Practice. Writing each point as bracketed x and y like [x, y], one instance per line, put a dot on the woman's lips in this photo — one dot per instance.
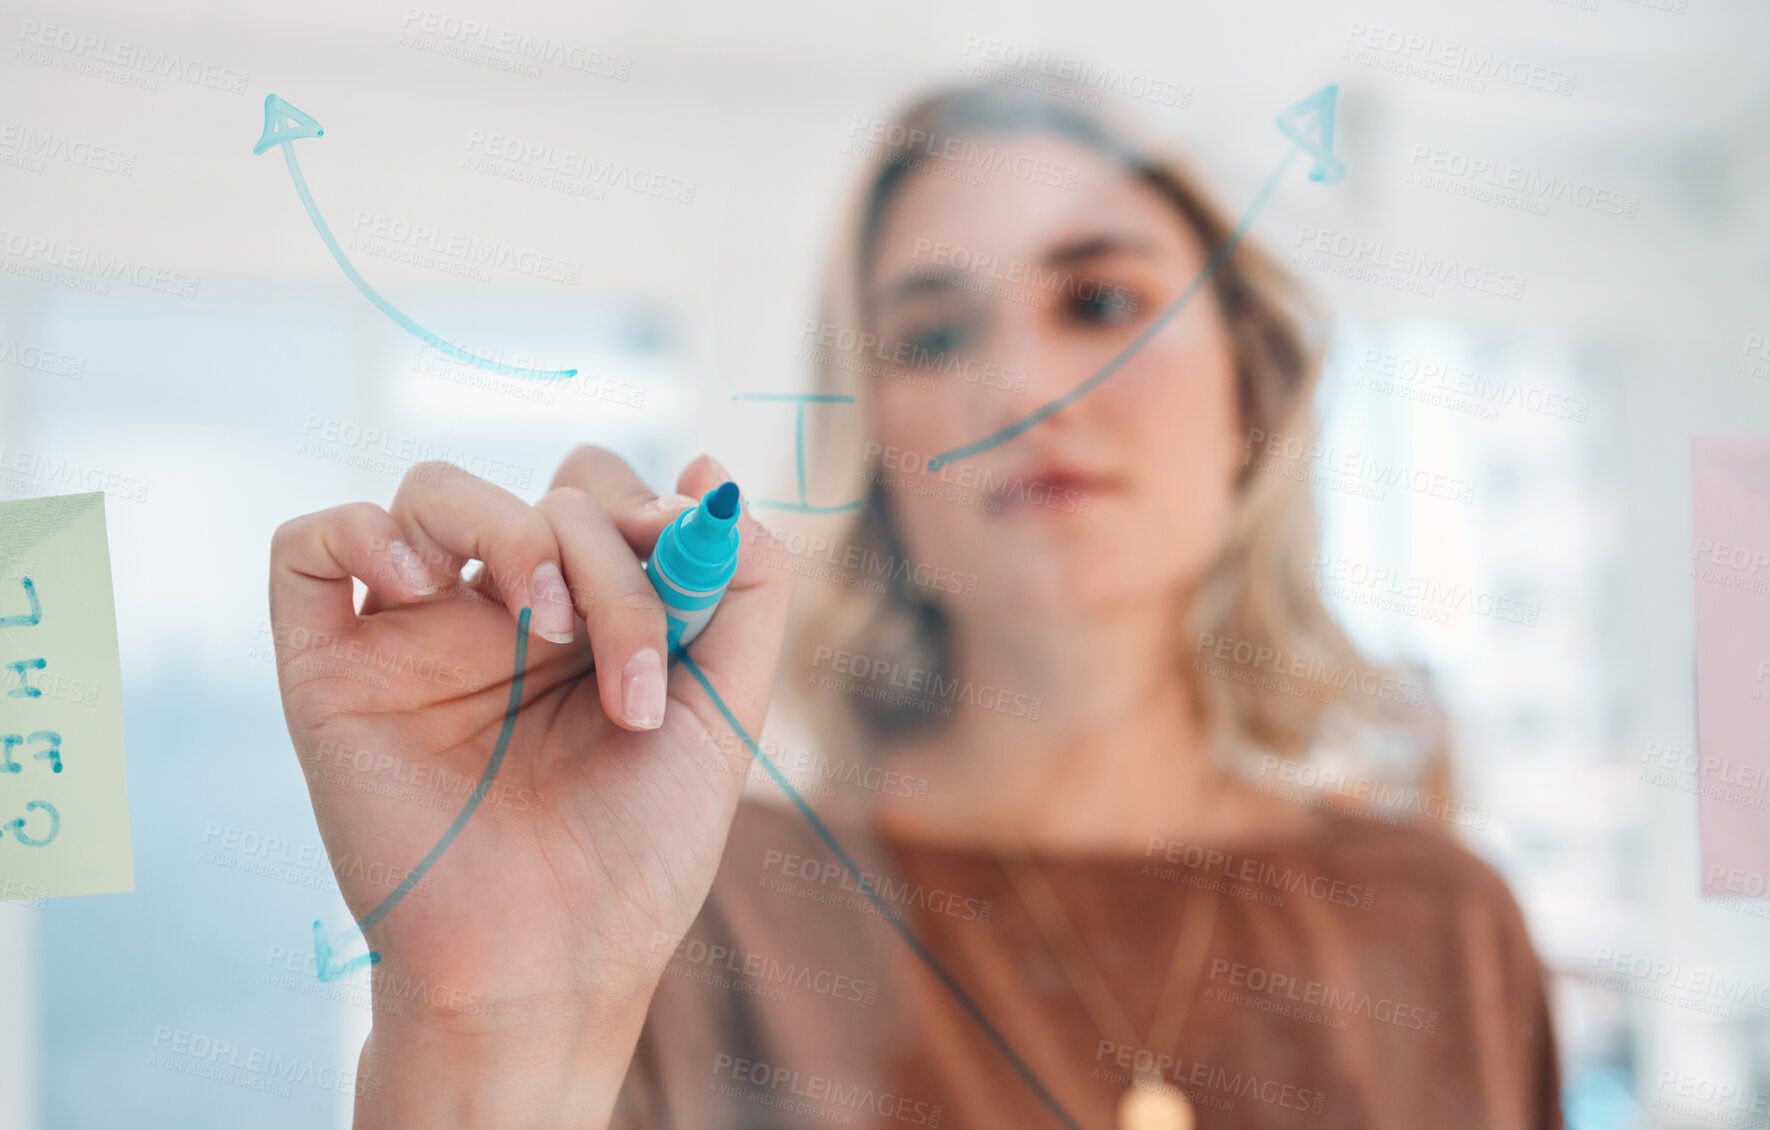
[1057, 490]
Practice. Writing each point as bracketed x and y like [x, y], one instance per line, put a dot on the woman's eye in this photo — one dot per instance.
[1104, 306]
[935, 342]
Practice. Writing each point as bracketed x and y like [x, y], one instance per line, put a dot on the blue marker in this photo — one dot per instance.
[695, 558]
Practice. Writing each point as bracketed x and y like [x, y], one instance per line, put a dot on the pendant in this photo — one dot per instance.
[1151, 1104]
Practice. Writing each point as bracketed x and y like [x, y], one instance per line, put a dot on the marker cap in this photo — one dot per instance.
[697, 553]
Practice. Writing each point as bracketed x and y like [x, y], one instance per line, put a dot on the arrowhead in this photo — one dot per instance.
[322, 949]
[277, 112]
[1310, 123]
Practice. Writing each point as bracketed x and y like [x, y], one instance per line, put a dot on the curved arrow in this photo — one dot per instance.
[1313, 113]
[323, 949]
[277, 133]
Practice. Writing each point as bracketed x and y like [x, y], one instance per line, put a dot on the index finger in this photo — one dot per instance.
[637, 511]
[640, 513]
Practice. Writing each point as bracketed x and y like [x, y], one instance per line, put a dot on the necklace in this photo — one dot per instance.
[1150, 1103]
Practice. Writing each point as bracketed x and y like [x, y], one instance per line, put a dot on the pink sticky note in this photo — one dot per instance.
[1730, 481]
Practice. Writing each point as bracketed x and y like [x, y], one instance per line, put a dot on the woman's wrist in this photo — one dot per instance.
[524, 1070]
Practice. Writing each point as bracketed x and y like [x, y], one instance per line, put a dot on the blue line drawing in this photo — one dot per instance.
[803, 506]
[276, 133]
[1317, 112]
[889, 914]
[323, 949]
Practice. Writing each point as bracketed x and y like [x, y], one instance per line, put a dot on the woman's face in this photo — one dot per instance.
[989, 302]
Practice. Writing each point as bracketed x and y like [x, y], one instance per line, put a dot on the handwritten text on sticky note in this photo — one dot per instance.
[64, 800]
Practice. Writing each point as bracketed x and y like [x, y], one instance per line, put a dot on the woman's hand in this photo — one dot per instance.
[512, 985]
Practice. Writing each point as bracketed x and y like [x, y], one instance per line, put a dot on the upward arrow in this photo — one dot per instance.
[275, 112]
[302, 124]
[1310, 123]
[1310, 126]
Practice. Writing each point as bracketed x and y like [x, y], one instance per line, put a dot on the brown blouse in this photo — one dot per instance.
[1359, 974]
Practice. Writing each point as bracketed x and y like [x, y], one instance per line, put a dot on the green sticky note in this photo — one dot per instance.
[64, 795]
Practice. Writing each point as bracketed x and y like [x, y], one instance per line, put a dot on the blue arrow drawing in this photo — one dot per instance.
[323, 949]
[283, 126]
[1310, 126]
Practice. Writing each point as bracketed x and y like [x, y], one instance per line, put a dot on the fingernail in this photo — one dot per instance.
[643, 688]
[552, 618]
[671, 502]
[719, 469]
[412, 569]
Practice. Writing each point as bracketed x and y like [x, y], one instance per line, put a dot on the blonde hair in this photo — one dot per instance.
[1258, 593]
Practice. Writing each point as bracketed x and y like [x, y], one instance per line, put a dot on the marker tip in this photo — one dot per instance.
[724, 501]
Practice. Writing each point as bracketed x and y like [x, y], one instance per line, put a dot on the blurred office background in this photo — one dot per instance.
[1643, 302]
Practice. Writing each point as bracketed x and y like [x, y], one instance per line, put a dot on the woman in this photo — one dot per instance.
[1046, 881]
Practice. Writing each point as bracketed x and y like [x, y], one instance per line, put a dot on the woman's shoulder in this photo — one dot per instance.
[1415, 869]
[1406, 851]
